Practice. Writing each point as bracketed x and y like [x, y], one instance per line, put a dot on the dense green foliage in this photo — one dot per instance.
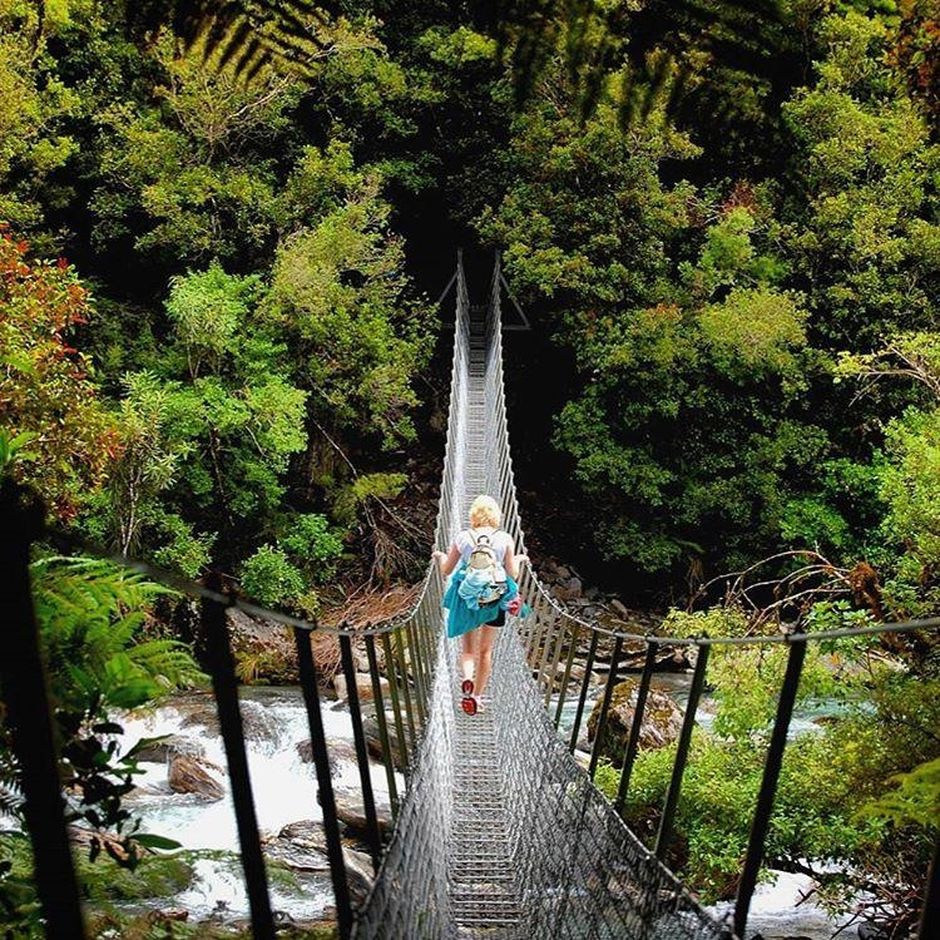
[251, 324]
[103, 651]
[704, 319]
[724, 221]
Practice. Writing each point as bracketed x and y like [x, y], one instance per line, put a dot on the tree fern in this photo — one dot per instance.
[92, 616]
[650, 38]
[244, 35]
[11, 791]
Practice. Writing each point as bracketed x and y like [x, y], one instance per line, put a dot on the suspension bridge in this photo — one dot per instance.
[500, 832]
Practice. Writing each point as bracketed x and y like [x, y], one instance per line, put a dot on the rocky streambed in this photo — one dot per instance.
[183, 795]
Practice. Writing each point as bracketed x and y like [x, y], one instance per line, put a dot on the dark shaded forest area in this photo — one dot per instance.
[219, 348]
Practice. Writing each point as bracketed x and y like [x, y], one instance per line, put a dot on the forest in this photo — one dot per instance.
[220, 351]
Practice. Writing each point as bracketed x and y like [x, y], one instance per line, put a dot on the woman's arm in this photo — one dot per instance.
[512, 561]
[447, 562]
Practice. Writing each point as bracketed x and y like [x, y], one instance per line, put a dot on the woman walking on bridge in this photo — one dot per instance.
[483, 587]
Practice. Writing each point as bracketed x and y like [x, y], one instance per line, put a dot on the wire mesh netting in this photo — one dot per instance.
[501, 833]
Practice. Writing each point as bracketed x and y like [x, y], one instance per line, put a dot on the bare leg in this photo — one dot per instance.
[469, 643]
[484, 656]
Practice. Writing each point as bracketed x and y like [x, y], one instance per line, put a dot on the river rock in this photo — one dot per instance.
[363, 686]
[188, 775]
[302, 846]
[85, 838]
[351, 811]
[662, 720]
[161, 750]
[340, 752]
[569, 589]
[359, 874]
[200, 711]
[370, 726]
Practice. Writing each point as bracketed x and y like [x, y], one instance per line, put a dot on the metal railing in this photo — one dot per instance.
[415, 720]
[554, 635]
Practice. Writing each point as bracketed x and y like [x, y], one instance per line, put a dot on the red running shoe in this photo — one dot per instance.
[468, 703]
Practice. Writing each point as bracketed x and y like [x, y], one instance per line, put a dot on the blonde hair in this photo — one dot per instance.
[485, 511]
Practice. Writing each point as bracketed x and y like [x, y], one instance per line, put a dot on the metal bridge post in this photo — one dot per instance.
[563, 691]
[416, 656]
[585, 682]
[379, 700]
[605, 706]
[406, 691]
[551, 676]
[682, 753]
[396, 703]
[929, 927]
[27, 700]
[768, 788]
[325, 795]
[636, 726]
[225, 686]
[362, 755]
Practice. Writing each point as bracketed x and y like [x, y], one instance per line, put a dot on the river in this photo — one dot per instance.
[285, 792]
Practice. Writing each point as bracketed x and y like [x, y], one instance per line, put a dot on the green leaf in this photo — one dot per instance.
[152, 841]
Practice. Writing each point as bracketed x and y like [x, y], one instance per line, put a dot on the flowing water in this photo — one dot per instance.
[284, 787]
[285, 791]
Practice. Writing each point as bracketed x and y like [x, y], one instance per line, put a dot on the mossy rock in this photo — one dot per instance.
[156, 876]
[662, 720]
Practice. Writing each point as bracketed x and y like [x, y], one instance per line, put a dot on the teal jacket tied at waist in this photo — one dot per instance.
[460, 618]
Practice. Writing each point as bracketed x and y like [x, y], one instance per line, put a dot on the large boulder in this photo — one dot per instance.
[370, 726]
[363, 687]
[662, 720]
[350, 810]
[340, 752]
[188, 775]
[161, 749]
[301, 846]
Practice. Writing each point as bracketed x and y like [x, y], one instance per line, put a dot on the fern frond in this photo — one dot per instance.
[11, 788]
[244, 35]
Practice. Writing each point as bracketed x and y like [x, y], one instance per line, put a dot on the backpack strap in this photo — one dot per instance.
[489, 536]
[478, 537]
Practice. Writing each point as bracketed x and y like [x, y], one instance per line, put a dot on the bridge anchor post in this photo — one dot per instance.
[768, 788]
[682, 753]
[30, 716]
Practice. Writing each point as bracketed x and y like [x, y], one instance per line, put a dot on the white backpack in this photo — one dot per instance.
[484, 561]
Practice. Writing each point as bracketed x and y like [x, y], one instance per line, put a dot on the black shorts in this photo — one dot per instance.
[500, 620]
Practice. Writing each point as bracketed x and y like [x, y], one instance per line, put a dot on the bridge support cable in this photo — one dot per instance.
[499, 830]
[523, 843]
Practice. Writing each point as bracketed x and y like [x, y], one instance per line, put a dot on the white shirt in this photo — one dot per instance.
[499, 541]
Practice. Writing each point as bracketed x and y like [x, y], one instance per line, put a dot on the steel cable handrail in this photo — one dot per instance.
[579, 868]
